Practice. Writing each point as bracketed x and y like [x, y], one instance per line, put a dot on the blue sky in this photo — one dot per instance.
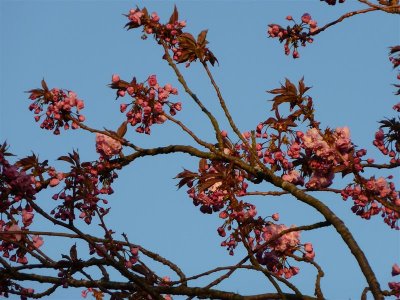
[78, 45]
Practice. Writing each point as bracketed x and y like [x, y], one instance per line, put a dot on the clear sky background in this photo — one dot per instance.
[78, 45]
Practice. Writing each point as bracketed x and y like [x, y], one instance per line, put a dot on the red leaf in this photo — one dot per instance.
[201, 38]
[174, 16]
[122, 129]
[44, 85]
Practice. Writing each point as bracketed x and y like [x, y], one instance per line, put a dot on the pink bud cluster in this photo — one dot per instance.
[389, 143]
[214, 185]
[107, 146]
[84, 185]
[183, 45]
[298, 34]
[149, 102]
[395, 286]
[10, 243]
[15, 184]
[369, 195]
[18, 242]
[133, 257]
[15, 187]
[59, 106]
[168, 33]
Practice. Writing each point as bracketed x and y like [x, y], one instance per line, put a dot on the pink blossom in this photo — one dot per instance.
[395, 270]
[394, 286]
[312, 139]
[152, 80]
[17, 236]
[22, 260]
[306, 18]
[309, 255]
[155, 17]
[85, 292]
[178, 106]
[293, 177]
[312, 23]
[319, 180]
[343, 142]
[246, 135]
[134, 251]
[308, 247]
[135, 16]
[275, 217]
[115, 78]
[80, 104]
[37, 241]
[294, 150]
[27, 217]
[286, 242]
[123, 107]
[54, 181]
[107, 146]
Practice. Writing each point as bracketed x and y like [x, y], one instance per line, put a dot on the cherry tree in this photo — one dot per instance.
[290, 152]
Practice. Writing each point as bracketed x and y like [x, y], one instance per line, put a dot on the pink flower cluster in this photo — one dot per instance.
[320, 155]
[133, 257]
[326, 152]
[83, 187]
[284, 243]
[149, 101]
[10, 242]
[59, 106]
[168, 33]
[369, 195]
[294, 177]
[384, 141]
[272, 249]
[183, 45]
[13, 241]
[299, 33]
[395, 286]
[107, 146]
[15, 187]
[214, 186]
[15, 184]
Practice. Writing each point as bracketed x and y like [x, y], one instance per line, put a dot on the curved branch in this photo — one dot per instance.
[345, 16]
[183, 82]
